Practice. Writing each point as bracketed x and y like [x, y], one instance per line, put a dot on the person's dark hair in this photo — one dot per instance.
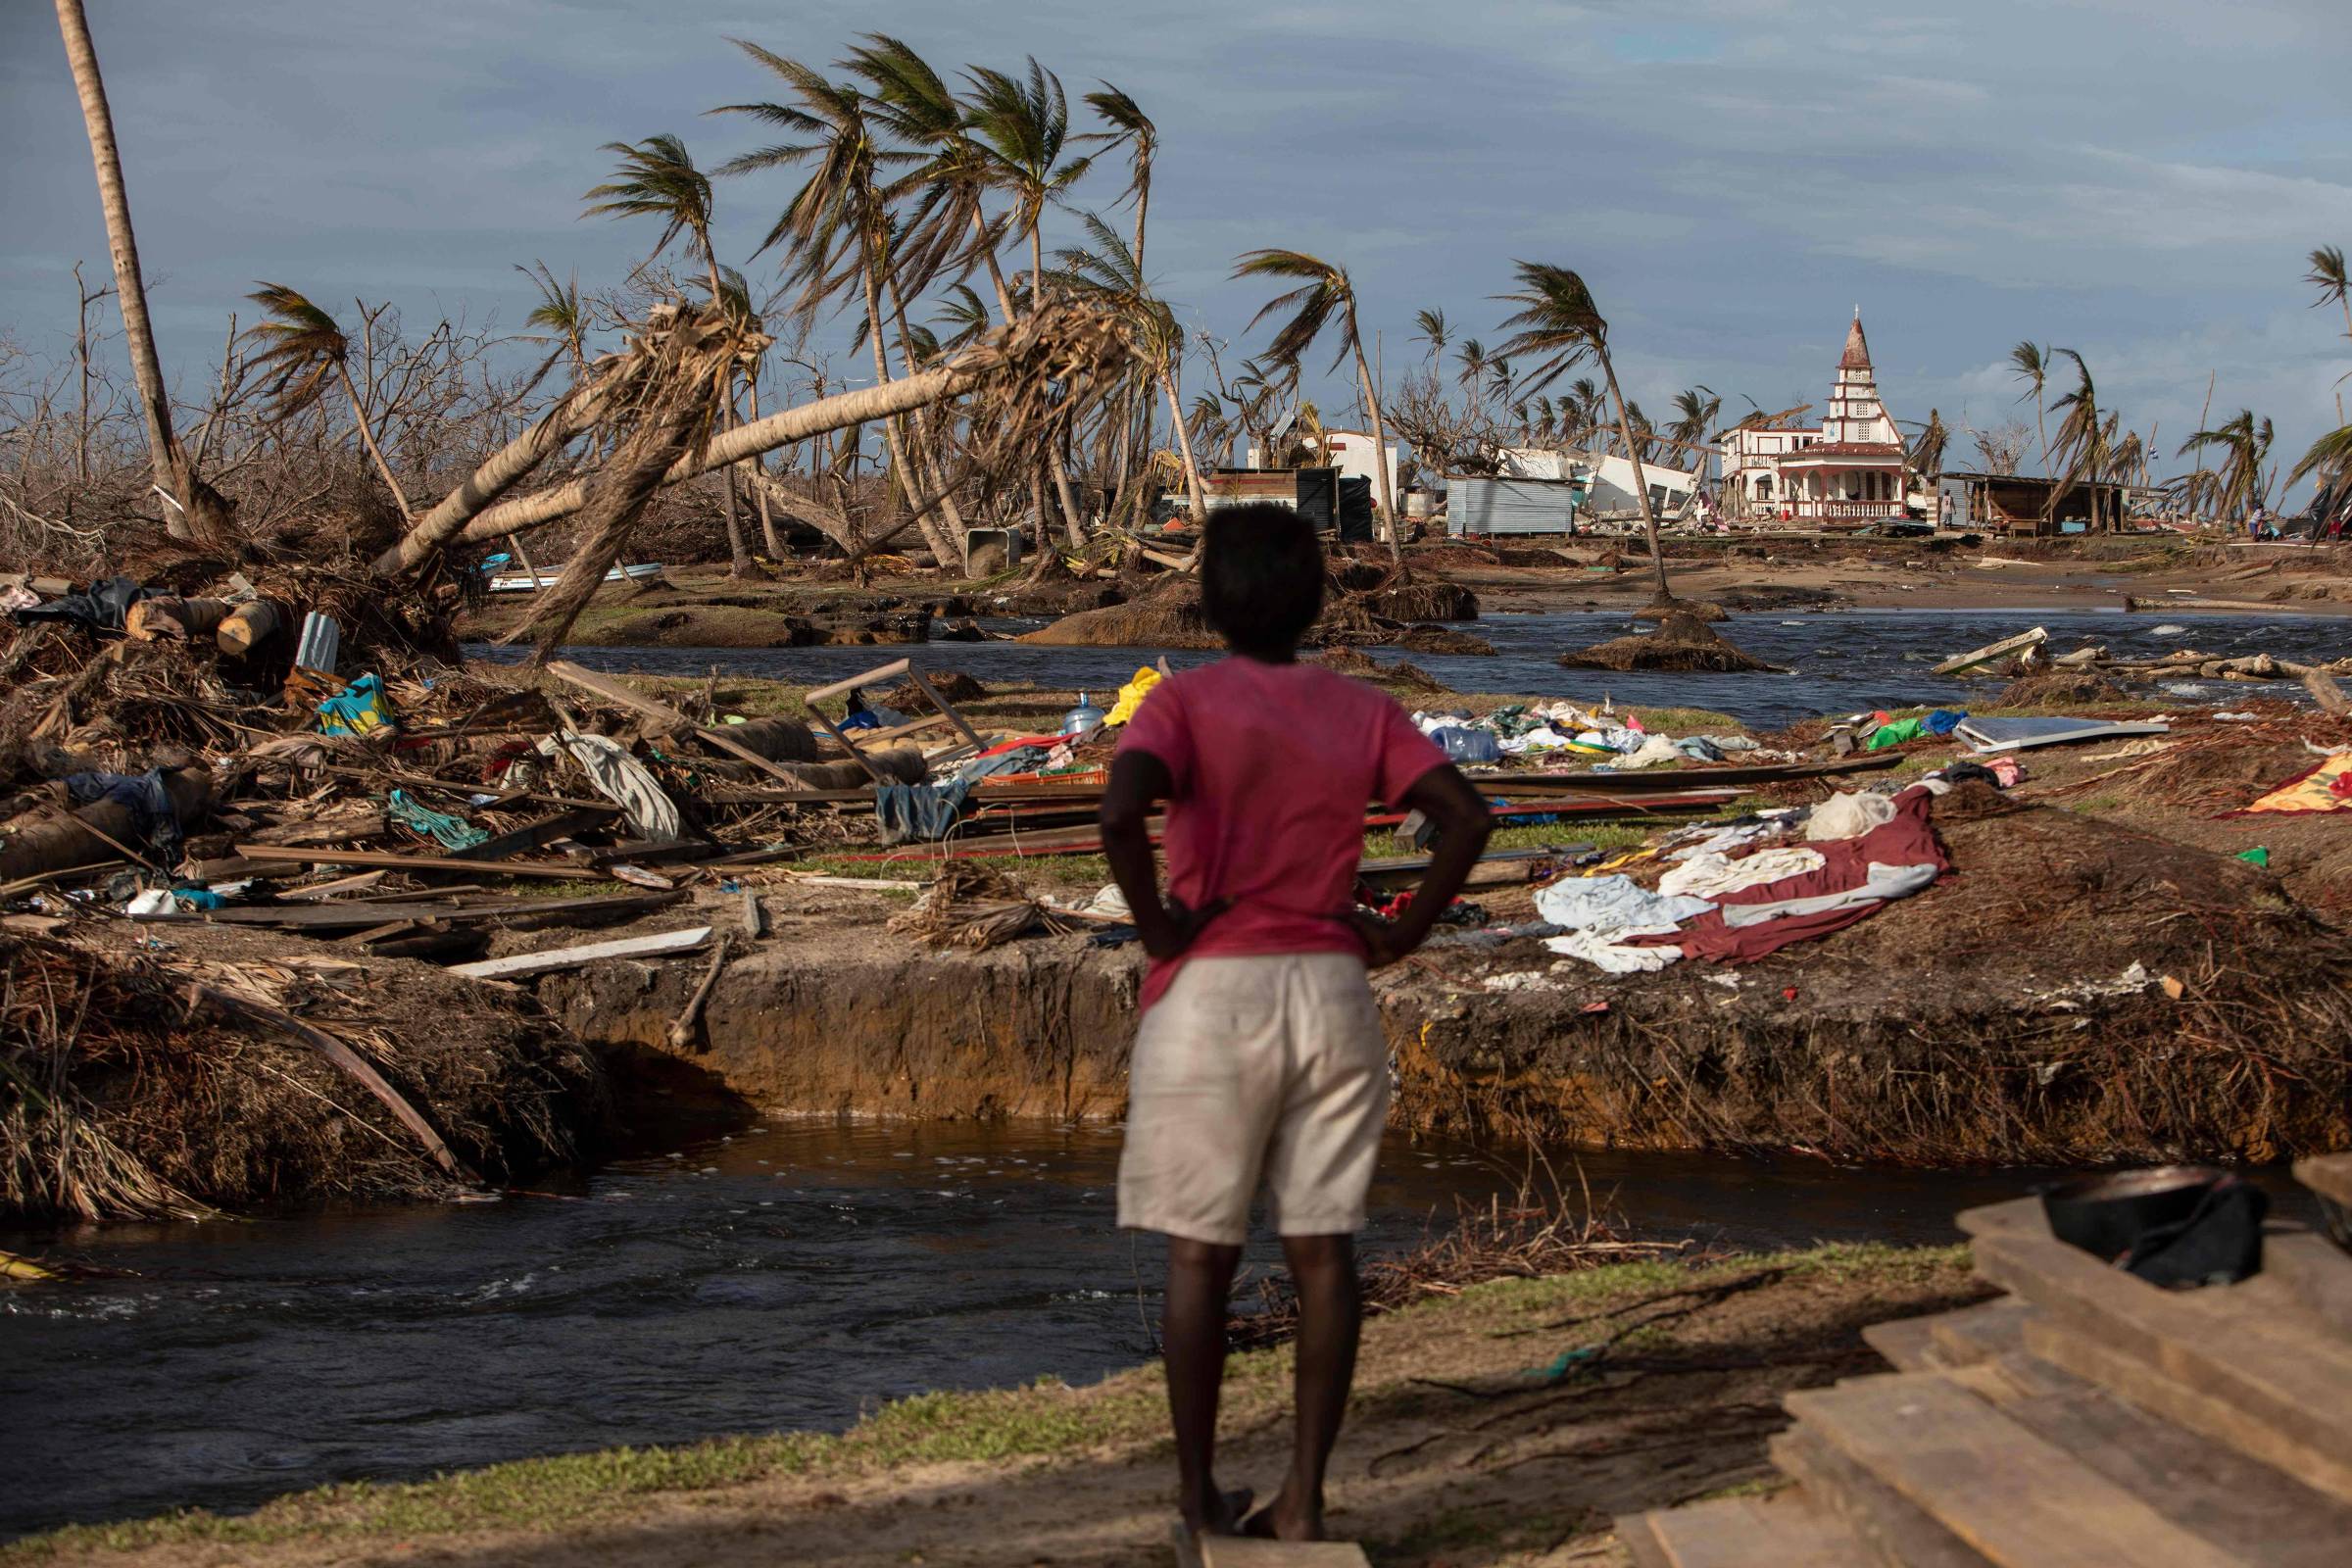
[1261, 577]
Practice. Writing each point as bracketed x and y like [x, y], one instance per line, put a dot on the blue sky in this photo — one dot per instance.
[2139, 180]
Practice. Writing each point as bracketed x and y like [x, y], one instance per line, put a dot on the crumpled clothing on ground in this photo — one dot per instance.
[1710, 875]
[1857, 878]
[623, 780]
[1606, 949]
[450, 832]
[1614, 902]
[920, 813]
[1652, 750]
[1848, 816]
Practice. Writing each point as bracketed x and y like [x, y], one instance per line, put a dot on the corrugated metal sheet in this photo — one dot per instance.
[1509, 505]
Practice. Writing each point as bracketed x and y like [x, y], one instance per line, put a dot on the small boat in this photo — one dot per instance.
[528, 582]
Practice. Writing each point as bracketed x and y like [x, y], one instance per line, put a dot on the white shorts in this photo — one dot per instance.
[1271, 1067]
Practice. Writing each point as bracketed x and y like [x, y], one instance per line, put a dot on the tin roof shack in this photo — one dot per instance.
[1514, 505]
[2023, 504]
[1314, 492]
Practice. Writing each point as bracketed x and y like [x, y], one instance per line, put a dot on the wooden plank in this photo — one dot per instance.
[880, 673]
[2269, 1379]
[539, 834]
[2015, 1498]
[1890, 1530]
[1980, 1332]
[1907, 1342]
[2328, 1175]
[1783, 1531]
[2315, 1271]
[2236, 1502]
[518, 965]
[923, 685]
[275, 854]
[1240, 1551]
[2097, 1360]
[755, 919]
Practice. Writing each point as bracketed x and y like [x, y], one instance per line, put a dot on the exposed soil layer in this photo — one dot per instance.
[1988, 1019]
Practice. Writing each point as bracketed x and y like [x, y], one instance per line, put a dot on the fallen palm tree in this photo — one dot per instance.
[1019, 385]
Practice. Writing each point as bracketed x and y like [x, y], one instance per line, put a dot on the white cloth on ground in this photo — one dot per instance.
[1847, 816]
[1614, 902]
[1886, 882]
[1651, 752]
[623, 780]
[1710, 875]
[1604, 951]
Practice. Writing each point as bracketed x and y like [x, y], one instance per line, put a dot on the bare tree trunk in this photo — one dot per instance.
[359, 415]
[902, 471]
[1650, 520]
[758, 472]
[1380, 445]
[1184, 448]
[202, 512]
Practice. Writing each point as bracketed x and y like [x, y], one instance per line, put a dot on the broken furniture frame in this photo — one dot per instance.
[881, 672]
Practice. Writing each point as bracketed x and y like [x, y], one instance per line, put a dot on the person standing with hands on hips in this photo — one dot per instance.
[1260, 1061]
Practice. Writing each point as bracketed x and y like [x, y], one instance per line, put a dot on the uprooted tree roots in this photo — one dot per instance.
[120, 1101]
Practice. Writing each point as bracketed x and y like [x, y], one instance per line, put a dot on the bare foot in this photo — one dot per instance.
[1285, 1520]
[1220, 1515]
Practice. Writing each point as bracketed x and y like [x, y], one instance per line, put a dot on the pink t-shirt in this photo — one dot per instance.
[1273, 765]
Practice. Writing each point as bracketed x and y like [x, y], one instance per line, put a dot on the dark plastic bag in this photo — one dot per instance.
[2220, 1243]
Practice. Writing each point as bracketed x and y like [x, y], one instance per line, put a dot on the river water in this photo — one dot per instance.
[1841, 661]
[786, 1278]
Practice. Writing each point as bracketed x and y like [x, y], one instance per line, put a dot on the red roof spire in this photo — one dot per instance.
[1857, 349]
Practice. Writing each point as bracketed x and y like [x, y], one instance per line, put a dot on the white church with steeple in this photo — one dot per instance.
[1847, 469]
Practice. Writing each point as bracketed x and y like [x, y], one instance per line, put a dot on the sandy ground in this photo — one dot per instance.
[1463, 1446]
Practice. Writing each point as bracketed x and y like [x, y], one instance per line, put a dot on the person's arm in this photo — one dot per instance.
[1139, 781]
[1463, 823]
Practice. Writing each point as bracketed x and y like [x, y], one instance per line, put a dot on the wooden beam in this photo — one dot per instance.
[661, 712]
[523, 964]
[289, 854]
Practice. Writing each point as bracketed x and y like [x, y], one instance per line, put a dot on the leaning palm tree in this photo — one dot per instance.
[2329, 277]
[1022, 125]
[2083, 435]
[1111, 276]
[201, 511]
[2033, 365]
[838, 226]
[1558, 322]
[1472, 377]
[657, 179]
[301, 352]
[1696, 410]
[2244, 443]
[1324, 294]
[1130, 127]
[1430, 328]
